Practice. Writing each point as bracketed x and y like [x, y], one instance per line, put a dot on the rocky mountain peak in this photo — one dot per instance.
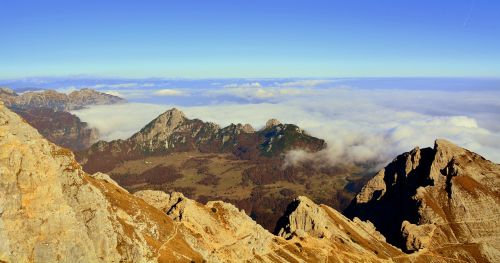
[434, 196]
[238, 128]
[271, 123]
[302, 216]
[85, 90]
[446, 150]
[171, 117]
[247, 128]
[445, 144]
[162, 126]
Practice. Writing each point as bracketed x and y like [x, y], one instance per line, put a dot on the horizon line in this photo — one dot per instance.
[110, 77]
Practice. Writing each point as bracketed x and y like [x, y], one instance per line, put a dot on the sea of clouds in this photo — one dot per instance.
[362, 125]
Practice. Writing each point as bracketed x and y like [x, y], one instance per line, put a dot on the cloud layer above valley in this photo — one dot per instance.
[361, 125]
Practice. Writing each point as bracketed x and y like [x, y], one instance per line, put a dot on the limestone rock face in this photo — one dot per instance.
[51, 211]
[247, 128]
[445, 199]
[271, 123]
[306, 217]
[417, 236]
[330, 230]
[162, 127]
[228, 233]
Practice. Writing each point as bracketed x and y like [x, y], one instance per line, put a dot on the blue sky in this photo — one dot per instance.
[223, 39]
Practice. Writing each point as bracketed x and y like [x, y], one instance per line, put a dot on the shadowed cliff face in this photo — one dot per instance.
[60, 127]
[388, 207]
[434, 197]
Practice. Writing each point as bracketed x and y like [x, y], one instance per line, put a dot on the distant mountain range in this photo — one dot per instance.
[55, 100]
[428, 205]
[47, 111]
[172, 132]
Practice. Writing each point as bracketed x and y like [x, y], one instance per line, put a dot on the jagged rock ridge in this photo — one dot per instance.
[173, 132]
[444, 198]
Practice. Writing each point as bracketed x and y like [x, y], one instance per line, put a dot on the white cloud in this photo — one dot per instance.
[169, 92]
[255, 90]
[115, 93]
[244, 85]
[114, 86]
[128, 93]
[360, 126]
[120, 121]
[121, 85]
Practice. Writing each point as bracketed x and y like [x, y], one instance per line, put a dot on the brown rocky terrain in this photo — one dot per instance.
[236, 164]
[55, 100]
[52, 211]
[444, 199]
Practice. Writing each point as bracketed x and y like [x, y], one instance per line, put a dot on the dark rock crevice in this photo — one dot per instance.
[388, 210]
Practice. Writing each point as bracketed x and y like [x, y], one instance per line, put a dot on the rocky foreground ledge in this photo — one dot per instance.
[52, 211]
